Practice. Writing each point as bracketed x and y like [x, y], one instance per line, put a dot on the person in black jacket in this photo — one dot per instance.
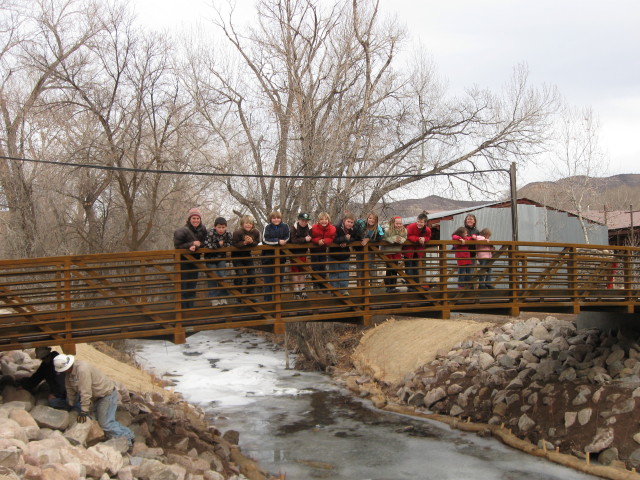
[57, 392]
[339, 253]
[300, 233]
[190, 237]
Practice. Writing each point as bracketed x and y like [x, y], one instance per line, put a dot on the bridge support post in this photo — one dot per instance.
[445, 314]
[68, 348]
[514, 311]
[278, 328]
[179, 336]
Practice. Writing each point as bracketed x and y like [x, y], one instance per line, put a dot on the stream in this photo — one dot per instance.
[303, 425]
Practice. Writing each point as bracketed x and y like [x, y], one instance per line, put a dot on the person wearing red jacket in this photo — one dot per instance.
[322, 235]
[463, 257]
[418, 234]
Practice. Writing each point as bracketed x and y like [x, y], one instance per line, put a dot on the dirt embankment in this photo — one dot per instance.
[394, 360]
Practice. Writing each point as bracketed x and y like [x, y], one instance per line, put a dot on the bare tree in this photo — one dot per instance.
[314, 91]
[579, 162]
[37, 39]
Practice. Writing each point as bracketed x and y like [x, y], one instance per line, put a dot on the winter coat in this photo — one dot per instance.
[390, 237]
[326, 234]
[462, 253]
[272, 235]
[413, 234]
[47, 372]
[184, 237]
[484, 250]
[213, 242]
[361, 231]
[299, 235]
[337, 252]
[237, 241]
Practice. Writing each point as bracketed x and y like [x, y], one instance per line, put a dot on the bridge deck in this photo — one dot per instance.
[75, 299]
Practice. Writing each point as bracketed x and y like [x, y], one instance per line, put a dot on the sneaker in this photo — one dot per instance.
[215, 303]
[223, 301]
[391, 290]
[344, 292]
[303, 295]
[296, 296]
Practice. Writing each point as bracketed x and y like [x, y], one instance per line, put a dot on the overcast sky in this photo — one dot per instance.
[589, 49]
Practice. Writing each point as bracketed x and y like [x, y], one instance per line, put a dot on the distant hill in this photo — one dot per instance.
[616, 192]
[413, 206]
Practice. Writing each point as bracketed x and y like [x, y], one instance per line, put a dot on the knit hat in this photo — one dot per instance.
[303, 216]
[62, 363]
[194, 212]
[220, 221]
[42, 352]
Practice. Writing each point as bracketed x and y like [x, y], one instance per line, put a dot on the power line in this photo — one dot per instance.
[243, 175]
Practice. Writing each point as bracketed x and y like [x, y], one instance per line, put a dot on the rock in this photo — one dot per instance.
[416, 399]
[581, 398]
[603, 439]
[584, 416]
[567, 375]
[48, 417]
[608, 456]
[12, 429]
[434, 396]
[636, 437]
[615, 357]
[625, 406]
[539, 332]
[153, 469]
[112, 457]
[634, 458]
[521, 330]
[525, 423]
[12, 458]
[570, 418]
[456, 410]
[500, 409]
[485, 360]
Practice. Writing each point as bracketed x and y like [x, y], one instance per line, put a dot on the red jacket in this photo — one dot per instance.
[413, 234]
[462, 253]
[327, 234]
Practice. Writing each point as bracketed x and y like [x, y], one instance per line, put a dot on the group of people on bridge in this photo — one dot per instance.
[330, 252]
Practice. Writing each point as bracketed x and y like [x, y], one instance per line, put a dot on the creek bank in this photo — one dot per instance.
[555, 387]
[173, 441]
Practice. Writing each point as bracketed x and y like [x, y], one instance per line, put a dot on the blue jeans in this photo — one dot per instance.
[464, 276]
[485, 272]
[188, 273]
[105, 411]
[220, 266]
[339, 274]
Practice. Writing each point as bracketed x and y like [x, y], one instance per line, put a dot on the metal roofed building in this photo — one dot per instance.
[536, 223]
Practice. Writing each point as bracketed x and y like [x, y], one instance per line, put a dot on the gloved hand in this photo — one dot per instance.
[82, 417]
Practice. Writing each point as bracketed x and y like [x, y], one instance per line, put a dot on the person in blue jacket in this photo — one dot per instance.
[275, 233]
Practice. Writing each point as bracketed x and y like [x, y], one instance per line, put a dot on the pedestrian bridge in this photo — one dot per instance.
[83, 298]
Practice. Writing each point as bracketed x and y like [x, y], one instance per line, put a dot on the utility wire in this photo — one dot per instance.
[243, 175]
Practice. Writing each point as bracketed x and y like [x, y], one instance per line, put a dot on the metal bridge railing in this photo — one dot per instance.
[74, 299]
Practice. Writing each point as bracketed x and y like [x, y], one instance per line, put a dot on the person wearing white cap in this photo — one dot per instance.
[97, 393]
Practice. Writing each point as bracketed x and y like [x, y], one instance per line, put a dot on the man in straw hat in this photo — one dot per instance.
[97, 394]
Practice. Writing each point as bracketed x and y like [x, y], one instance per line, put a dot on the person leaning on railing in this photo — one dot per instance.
[419, 234]
[244, 239]
[190, 237]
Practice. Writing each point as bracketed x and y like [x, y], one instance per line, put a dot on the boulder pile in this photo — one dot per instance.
[173, 440]
[575, 390]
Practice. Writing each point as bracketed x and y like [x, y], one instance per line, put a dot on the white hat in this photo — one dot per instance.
[62, 363]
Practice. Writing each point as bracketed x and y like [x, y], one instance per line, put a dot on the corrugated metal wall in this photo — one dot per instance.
[535, 224]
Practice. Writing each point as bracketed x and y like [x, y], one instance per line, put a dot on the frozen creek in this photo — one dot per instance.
[303, 425]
